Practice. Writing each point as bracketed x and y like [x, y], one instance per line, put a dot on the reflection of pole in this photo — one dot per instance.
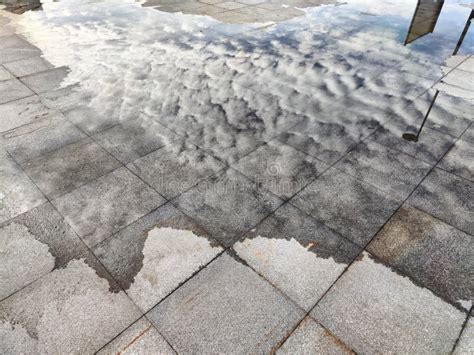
[414, 138]
[464, 32]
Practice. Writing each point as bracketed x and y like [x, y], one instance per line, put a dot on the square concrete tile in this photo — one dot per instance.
[347, 205]
[373, 309]
[154, 255]
[17, 193]
[447, 197]
[467, 65]
[435, 254]
[410, 85]
[40, 137]
[227, 205]
[140, 338]
[14, 47]
[298, 255]
[466, 341]
[13, 90]
[323, 140]
[66, 169]
[393, 172]
[430, 147]
[65, 99]
[468, 135]
[175, 168]
[33, 244]
[90, 121]
[106, 205]
[130, 141]
[76, 309]
[28, 66]
[230, 5]
[460, 160]
[226, 308]
[280, 168]
[5, 74]
[46, 80]
[312, 338]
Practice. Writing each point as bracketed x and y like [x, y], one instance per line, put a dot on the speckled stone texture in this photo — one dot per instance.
[45, 81]
[466, 341]
[385, 312]
[460, 160]
[226, 308]
[12, 90]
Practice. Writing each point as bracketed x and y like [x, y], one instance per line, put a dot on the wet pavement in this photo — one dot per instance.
[231, 176]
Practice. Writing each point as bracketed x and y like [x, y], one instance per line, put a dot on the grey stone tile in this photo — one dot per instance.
[40, 137]
[460, 160]
[466, 341]
[76, 308]
[154, 255]
[46, 81]
[140, 338]
[430, 147]
[4, 74]
[175, 168]
[89, 120]
[130, 141]
[280, 168]
[227, 205]
[14, 47]
[468, 136]
[68, 168]
[347, 205]
[32, 245]
[13, 90]
[393, 172]
[467, 65]
[298, 255]
[17, 193]
[447, 197]
[435, 254]
[65, 99]
[461, 79]
[410, 85]
[384, 312]
[251, 2]
[226, 308]
[323, 140]
[311, 338]
[28, 66]
[230, 5]
[106, 205]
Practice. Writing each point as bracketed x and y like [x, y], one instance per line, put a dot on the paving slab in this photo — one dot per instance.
[140, 338]
[468, 135]
[130, 141]
[391, 171]
[89, 120]
[226, 308]
[47, 80]
[72, 309]
[28, 66]
[65, 99]
[466, 341]
[175, 168]
[67, 168]
[280, 168]
[12, 90]
[460, 160]
[432, 252]
[298, 255]
[14, 47]
[5, 74]
[347, 205]
[33, 244]
[447, 197]
[17, 193]
[312, 338]
[227, 205]
[106, 205]
[385, 312]
[154, 255]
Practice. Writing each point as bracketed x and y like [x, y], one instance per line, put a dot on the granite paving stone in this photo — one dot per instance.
[226, 308]
[280, 168]
[155, 254]
[466, 341]
[312, 338]
[227, 205]
[66, 169]
[298, 255]
[175, 168]
[106, 205]
[32, 245]
[89, 121]
[432, 252]
[77, 308]
[140, 338]
[12, 90]
[460, 160]
[468, 135]
[5, 74]
[65, 99]
[447, 197]
[45, 81]
[17, 193]
[28, 66]
[385, 312]
[391, 171]
[14, 47]
[347, 205]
